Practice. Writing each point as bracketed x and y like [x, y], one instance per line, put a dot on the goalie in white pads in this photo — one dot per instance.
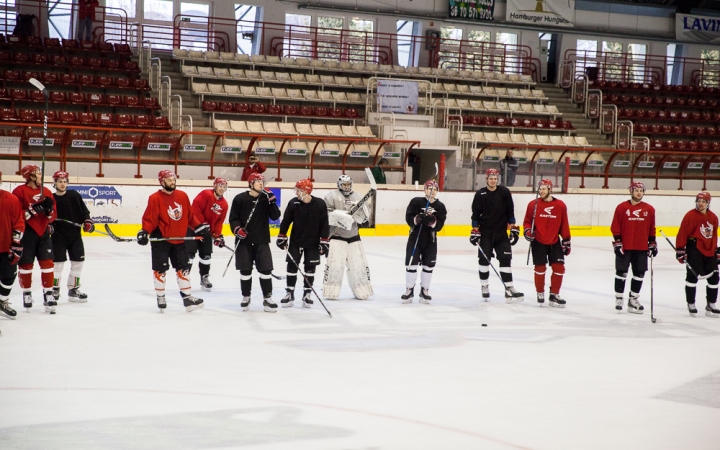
[346, 249]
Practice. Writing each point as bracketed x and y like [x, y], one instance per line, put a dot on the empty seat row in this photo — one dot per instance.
[234, 90]
[85, 118]
[710, 116]
[71, 79]
[291, 147]
[303, 129]
[479, 105]
[525, 139]
[80, 98]
[487, 91]
[270, 76]
[70, 45]
[659, 101]
[675, 129]
[675, 88]
[511, 122]
[279, 110]
[685, 145]
[69, 61]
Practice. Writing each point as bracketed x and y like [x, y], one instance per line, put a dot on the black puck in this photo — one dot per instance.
[484, 324]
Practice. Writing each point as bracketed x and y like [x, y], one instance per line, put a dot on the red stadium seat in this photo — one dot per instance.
[695, 116]
[566, 125]
[132, 101]
[78, 98]
[37, 96]
[39, 58]
[57, 135]
[53, 117]
[680, 101]
[661, 114]
[122, 82]
[77, 61]
[258, 108]
[351, 113]
[70, 44]
[68, 117]
[112, 64]
[336, 112]
[51, 42]
[321, 111]
[665, 129]
[710, 131]
[19, 94]
[95, 63]
[141, 83]
[654, 128]
[292, 110]
[151, 103]
[97, 99]
[242, 108]
[162, 123]
[21, 58]
[114, 100]
[226, 107]
[528, 123]
[107, 120]
[688, 129]
[77, 136]
[143, 121]
[88, 119]
[676, 129]
[657, 143]
[704, 145]
[69, 78]
[100, 137]
[681, 145]
[540, 123]
[123, 49]
[275, 109]
[5, 95]
[29, 115]
[59, 60]
[501, 121]
[651, 114]
[670, 144]
[639, 113]
[714, 145]
[12, 75]
[306, 111]
[4, 56]
[87, 45]
[130, 66]
[8, 114]
[125, 120]
[490, 121]
[105, 47]
[209, 106]
[87, 80]
[27, 75]
[49, 77]
[104, 81]
[58, 97]
[16, 132]
[641, 128]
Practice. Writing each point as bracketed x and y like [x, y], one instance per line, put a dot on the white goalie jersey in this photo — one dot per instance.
[338, 205]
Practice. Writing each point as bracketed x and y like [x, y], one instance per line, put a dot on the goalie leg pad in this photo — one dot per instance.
[334, 269]
[358, 271]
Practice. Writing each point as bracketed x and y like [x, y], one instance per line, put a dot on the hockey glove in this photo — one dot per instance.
[219, 241]
[418, 218]
[16, 249]
[270, 196]
[680, 255]
[282, 241]
[566, 247]
[50, 229]
[324, 246]
[528, 235]
[142, 237]
[652, 249]
[618, 247]
[514, 234]
[240, 233]
[203, 230]
[475, 236]
[429, 220]
[89, 226]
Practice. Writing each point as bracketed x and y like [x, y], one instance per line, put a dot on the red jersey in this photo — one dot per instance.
[171, 213]
[11, 219]
[551, 220]
[29, 196]
[634, 225]
[702, 228]
[247, 171]
[212, 210]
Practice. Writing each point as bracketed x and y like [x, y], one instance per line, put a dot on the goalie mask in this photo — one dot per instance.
[344, 184]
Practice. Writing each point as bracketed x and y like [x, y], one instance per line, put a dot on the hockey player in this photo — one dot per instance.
[346, 248]
[426, 217]
[12, 227]
[67, 240]
[545, 219]
[249, 216]
[493, 212]
[696, 245]
[168, 214]
[39, 210]
[211, 207]
[633, 230]
[308, 239]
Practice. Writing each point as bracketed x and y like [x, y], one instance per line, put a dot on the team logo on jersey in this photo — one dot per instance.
[429, 210]
[636, 213]
[706, 230]
[217, 209]
[37, 197]
[548, 213]
[175, 213]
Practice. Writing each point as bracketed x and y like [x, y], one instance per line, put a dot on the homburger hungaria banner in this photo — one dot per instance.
[559, 13]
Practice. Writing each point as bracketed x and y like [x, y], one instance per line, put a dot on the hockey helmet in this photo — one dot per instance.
[431, 184]
[492, 173]
[705, 196]
[255, 177]
[636, 185]
[304, 185]
[345, 180]
[60, 174]
[546, 182]
[28, 170]
[220, 181]
[165, 174]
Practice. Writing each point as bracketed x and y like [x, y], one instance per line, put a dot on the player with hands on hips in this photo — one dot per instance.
[546, 228]
[697, 245]
[12, 227]
[493, 213]
[250, 213]
[346, 248]
[308, 240]
[40, 214]
[633, 230]
[212, 208]
[426, 217]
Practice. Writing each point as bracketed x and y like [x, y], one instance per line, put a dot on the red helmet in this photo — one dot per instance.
[305, 186]
[705, 196]
[28, 170]
[255, 177]
[60, 174]
[163, 174]
[636, 185]
[492, 172]
[432, 184]
[546, 182]
[219, 180]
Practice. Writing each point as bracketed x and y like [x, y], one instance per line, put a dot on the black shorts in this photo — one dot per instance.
[497, 242]
[63, 245]
[260, 254]
[425, 253]
[310, 256]
[163, 250]
[7, 271]
[543, 254]
[35, 246]
[701, 264]
[205, 246]
[637, 258]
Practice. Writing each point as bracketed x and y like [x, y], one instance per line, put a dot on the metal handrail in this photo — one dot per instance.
[143, 58]
[154, 76]
[165, 82]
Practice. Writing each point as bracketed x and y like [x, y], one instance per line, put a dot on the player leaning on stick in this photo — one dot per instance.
[12, 227]
[168, 214]
[493, 212]
[545, 219]
[633, 230]
[426, 217]
[697, 244]
[67, 239]
[249, 216]
[308, 239]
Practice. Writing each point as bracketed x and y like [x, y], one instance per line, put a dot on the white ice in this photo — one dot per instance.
[116, 374]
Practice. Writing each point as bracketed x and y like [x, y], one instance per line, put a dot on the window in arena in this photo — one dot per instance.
[711, 67]
[247, 30]
[613, 61]
[637, 72]
[60, 13]
[449, 54]
[7, 17]
[158, 27]
[407, 48]
[160, 10]
[480, 55]
[512, 62]
[586, 54]
[128, 6]
[328, 39]
[194, 32]
[298, 40]
[361, 45]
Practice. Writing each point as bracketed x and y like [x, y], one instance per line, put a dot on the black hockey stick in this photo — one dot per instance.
[686, 263]
[287, 252]
[277, 277]
[246, 224]
[117, 238]
[532, 227]
[491, 265]
[652, 297]
[80, 226]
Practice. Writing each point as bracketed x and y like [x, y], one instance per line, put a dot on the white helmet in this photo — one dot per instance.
[342, 181]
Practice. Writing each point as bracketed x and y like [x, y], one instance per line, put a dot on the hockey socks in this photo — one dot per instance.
[46, 271]
[266, 283]
[183, 281]
[711, 289]
[410, 276]
[558, 270]
[246, 283]
[159, 281]
[204, 265]
[540, 270]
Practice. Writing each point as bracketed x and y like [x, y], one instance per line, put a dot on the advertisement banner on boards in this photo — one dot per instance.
[399, 97]
[693, 28]
[558, 13]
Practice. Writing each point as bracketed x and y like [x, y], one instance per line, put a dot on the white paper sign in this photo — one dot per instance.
[9, 145]
[557, 13]
[399, 97]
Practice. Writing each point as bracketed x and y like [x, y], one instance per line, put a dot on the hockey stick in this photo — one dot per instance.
[491, 265]
[117, 238]
[652, 297]
[287, 252]
[686, 263]
[238, 239]
[80, 226]
[427, 205]
[277, 277]
[532, 227]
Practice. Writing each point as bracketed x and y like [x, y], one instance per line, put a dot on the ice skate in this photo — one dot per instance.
[407, 297]
[424, 296]
[634, 305]
[556, 301]
[270, 305]
[49, 302]
[161, 302]
[485, 289]
[307, 300]
[192, 303]
[513, 296]
[541, 297]
[619, 302]
[27, 300]
[711, 311]
[692, 309]
[74, 295]
[205, 283]
[245, 303]
[6, 310]
[289, 300]
[56, 293]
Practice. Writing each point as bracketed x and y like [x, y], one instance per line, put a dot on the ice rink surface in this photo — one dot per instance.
[116, 374]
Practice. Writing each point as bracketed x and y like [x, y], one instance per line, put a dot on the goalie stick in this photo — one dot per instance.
[79, 225]
[117, 238]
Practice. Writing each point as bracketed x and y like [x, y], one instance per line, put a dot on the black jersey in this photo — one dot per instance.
[70, 206]
[492, 211]
[418, 205]
[310, 222]
[258, 229]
